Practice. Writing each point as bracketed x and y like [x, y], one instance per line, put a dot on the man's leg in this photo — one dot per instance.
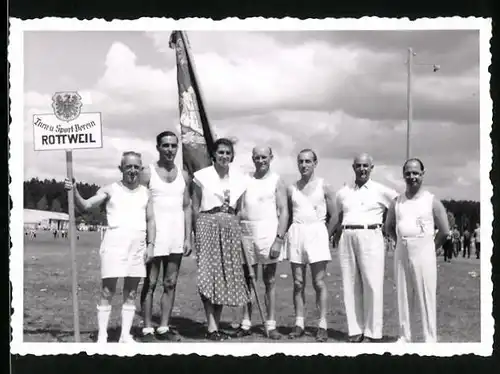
[318, 271]
[269, 276]
[145, 288]
[147, 293]
[130, 285]
[424, 269]
[478, 249]
[447, 250]
[372, 260]
[104, 308]
[351, 280]
[299, 285]
[171, 265]
[404, 291]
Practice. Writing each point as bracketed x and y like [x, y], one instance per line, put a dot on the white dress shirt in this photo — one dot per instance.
[364, 205]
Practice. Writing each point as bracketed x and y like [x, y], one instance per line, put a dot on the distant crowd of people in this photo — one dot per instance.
[56, 233]
[461, 243]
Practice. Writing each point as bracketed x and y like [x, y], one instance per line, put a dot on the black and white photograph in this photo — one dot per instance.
[285, 183]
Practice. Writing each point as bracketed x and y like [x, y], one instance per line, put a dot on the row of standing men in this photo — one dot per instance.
[157, 214]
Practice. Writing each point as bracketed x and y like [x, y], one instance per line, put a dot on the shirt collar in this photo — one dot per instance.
[366, 185]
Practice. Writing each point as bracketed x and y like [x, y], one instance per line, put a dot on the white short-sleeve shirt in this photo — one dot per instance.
[364, 205]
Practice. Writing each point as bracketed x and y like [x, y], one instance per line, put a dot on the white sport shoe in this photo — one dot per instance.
[402, 340]
[102, 338]
[127, 339]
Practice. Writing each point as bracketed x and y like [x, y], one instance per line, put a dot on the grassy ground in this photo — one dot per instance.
[48, 313]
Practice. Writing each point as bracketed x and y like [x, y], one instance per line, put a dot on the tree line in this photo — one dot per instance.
[50, 195]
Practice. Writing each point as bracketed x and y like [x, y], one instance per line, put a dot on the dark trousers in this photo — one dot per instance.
[466, 249]
[478, 249]
[448, 251]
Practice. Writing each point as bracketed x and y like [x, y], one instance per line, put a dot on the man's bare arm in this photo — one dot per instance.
[441, 221]
[187, 207]
[195, 203]
[390, 221]
[282, 205]
[98, 199]
[332, 210]
[290, 207]
[150, 222]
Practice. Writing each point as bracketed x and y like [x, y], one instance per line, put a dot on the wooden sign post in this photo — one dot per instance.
[68, 129]
[72, 241]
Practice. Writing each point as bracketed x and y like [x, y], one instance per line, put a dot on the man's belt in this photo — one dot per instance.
[362, 227]
[220, 209]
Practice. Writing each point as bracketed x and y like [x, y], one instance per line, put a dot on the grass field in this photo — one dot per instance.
[48, 313]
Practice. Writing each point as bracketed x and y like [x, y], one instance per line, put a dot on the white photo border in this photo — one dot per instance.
[16, 167]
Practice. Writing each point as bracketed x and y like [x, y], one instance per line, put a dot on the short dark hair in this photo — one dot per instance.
[162, 134]
[223, 141]
[315, 157]
[416, 160]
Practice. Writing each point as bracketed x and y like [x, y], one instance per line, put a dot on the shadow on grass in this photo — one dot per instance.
[310, 331]
[58, 334]
[193, 330]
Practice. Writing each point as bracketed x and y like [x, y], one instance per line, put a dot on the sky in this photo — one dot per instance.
[338, 92]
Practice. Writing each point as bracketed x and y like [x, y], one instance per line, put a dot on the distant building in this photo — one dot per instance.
[45, 220]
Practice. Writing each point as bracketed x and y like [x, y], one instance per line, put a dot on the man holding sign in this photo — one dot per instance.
[123, 250]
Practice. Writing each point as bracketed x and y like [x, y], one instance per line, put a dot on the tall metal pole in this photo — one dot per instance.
[409, 103]
[72, 240]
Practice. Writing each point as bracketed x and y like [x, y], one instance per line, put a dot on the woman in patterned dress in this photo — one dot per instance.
[217, 192]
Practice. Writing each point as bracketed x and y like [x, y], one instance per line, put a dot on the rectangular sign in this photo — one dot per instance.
[50, 133]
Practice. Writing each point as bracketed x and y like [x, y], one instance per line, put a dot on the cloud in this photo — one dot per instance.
[129, 87]
[338, 93]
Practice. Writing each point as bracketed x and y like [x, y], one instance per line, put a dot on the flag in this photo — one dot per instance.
[196, 135]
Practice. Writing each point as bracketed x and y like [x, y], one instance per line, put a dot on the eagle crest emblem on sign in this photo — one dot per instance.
[66, 105]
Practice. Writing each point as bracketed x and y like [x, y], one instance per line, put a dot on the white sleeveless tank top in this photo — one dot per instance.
[126, 209]
[309, 208]
[260, 198]
[414, 217]
[167, 197]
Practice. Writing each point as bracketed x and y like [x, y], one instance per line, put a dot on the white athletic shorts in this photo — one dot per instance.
[169, 235]
[257, 239]
[122, 253]
[308, 243]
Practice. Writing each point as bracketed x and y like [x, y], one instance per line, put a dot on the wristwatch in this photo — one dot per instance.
[280, 237]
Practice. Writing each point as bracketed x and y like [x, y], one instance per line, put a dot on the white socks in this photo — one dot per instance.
[270, 325]
[246, 324]
[103, 313]
[148, 330]
[299, 321]
[162, 329]
[128, 312]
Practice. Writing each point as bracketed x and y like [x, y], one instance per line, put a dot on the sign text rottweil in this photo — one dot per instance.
[67, 128]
